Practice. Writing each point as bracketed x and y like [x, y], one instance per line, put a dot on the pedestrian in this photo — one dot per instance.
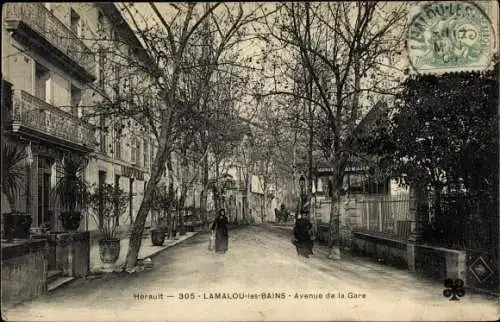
[302, 237]
[277, 214]
[284, 213]
[219, 227]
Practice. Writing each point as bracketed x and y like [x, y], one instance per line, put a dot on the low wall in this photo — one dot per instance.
[73, 253]
[24, 270]
[440, 263]
[383, 248]
[436, 262]
[68, 252]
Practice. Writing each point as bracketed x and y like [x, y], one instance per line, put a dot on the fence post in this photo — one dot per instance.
[367, 215]
[380, 226]
[417, 198]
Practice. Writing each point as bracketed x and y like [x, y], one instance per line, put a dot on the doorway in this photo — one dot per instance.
[44, 188]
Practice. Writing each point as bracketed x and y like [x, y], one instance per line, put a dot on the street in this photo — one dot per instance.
[259, 261]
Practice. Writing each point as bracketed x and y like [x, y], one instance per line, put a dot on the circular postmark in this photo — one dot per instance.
[450, 36]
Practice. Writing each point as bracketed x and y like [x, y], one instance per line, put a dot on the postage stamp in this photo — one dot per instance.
[450, 37]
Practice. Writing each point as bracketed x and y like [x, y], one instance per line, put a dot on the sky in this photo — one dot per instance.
[253, 48]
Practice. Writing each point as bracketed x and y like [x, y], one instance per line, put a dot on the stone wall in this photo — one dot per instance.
[24, 270]
[382, 249]
[68, 252]
[73, 253]
[440, 263]
[350, 218]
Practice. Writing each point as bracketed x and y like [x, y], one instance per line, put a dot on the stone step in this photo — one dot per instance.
[52, 275]
[60, 281]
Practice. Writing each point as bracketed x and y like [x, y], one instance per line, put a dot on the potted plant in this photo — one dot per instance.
[72, 190]
[108, 204]
[161, 205]
[17, 224]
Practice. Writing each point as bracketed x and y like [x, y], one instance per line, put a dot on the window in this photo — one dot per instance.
[116, 80]
[118, 142]
[102, 61]
[135, 152]
[75, 22]
[138, 152]
[114, 35]
[42, 82]
[100, 23]
[365, 184]
[76, 97]
[153, 152]
[102, 125]
[146, 153]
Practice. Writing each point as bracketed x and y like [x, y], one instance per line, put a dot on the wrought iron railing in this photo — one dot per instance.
[40, 19]
[461, 220]
[36, 114]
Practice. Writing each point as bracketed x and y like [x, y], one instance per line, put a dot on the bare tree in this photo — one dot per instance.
[169, 44]
[344, 47]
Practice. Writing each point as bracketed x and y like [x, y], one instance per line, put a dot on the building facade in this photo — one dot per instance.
[58, 58]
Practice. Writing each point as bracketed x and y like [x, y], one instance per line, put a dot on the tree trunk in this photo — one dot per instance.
[264, 203]
[158, 165]
[334, 225]
[180, 212]
[204, 195]
[140, 219]
[247, 197]
[216, 189]
[169, 223]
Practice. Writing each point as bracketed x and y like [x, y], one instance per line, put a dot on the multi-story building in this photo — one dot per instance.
[61, 61]
[65, 69]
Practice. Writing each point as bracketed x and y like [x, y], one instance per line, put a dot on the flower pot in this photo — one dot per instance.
[182, 230]
[70, 220]
[17, 225]
[109, 250]
[158, 236]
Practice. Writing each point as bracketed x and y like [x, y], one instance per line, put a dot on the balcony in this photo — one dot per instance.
[38, 119]
[35, 26]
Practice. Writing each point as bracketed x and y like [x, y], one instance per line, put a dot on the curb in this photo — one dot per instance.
[140, 259]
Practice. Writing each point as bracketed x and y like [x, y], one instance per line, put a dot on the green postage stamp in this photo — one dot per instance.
[451, 37]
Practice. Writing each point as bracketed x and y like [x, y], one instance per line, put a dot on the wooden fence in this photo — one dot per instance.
[387, 215]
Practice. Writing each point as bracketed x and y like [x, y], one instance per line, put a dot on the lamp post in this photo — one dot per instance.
[302, 197]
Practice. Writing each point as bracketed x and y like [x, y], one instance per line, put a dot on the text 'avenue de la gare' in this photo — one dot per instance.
[250, 296]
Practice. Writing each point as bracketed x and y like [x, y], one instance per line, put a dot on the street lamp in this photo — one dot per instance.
[302, 196]
[302, 183]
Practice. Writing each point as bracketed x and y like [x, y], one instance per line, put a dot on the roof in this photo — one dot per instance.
[124, 30]
[373, 115]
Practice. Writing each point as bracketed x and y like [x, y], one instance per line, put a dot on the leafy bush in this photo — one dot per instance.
[12, 171]
[71, 188]
[108, 204]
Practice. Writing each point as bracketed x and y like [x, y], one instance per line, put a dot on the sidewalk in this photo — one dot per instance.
[147, 250]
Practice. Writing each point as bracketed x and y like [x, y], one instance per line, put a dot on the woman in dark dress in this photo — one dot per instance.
[221, 235]
[303, 241]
